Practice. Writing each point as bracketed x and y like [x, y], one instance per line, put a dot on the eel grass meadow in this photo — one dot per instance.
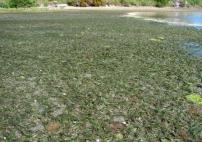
[65, 76]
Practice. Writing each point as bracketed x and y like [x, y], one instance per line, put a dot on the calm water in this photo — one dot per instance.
[193, 19]
[176, 18]
[193, 48]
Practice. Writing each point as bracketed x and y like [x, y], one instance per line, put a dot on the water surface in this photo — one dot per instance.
[193, 48]
[193, 19]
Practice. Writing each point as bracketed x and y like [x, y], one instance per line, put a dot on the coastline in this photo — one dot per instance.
[106, 8]
[134, 8]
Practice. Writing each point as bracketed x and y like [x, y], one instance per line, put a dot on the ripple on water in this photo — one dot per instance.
[192, 19]
[193, 48]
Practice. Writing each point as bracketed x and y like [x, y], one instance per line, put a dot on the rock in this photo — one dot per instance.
[53, 127]
[118, 123]
[176, 3]
[39, 127]
[59, 111]
[116, 126]
[97, 140]
[87, 75]
[165, 140]
[18, 134]
[61, 5]
[119, 119]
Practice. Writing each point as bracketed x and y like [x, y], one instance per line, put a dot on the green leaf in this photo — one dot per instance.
[194, 98]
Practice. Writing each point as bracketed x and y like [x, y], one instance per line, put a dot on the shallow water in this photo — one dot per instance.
[193, 19]
[193, 48]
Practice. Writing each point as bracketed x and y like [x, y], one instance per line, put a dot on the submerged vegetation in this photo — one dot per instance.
[97, 76]
[195, 98]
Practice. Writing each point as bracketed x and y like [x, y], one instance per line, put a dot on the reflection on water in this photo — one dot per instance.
[177, 18]
[193, 48]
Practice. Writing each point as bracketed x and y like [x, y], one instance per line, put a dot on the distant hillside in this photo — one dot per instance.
[85, 3]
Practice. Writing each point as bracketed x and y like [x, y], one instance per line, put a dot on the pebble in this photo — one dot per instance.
[119, 119]
[39, 127]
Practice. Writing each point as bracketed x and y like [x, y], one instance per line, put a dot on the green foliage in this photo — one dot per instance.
[119, 2]
[161, 3]
[85, 3]
[44, 2]
[98, 2]
[21, 3]
[134, 2]
[3, 5]
[147, 2]
[82, 68]
[194, 98]
[71, 2]
[158, 3]
[195, 2]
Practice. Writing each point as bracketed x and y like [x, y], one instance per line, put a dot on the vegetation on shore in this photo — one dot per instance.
[84, 3]
[97, 76]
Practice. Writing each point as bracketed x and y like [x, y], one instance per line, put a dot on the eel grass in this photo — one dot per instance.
[65, 75]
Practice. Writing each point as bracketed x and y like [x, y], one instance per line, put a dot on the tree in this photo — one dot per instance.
[21, 3]
[161, 3]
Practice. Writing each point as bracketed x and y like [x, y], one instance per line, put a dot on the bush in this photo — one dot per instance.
[194, 2]
[200, 3]
[84, 3]
[3, 5]
[188, 3]
[161, 3]
[147, 2]
[98, 2]
[132, 2]
[71, 2]
[21, 3]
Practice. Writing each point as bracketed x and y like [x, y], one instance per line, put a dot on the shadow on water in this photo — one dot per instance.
[193, 19]
[193, 48]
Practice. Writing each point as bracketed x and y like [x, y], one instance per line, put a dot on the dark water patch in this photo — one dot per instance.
[193, 48]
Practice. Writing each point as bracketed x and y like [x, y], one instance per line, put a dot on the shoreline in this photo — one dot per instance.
[106, 8]
[134, 8]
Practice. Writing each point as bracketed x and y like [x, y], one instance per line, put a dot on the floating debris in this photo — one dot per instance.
[155, 40]
[161, 38]
[158, 39]
[194, 98]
